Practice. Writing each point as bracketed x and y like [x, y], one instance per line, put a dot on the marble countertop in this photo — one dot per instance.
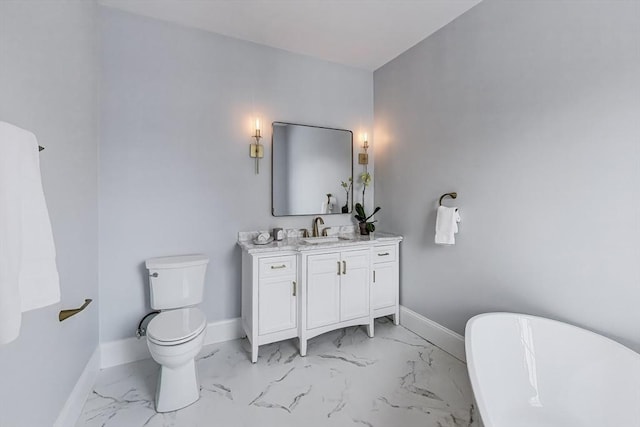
[295, 242]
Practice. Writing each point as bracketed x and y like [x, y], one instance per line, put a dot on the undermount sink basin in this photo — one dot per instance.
[323, 239]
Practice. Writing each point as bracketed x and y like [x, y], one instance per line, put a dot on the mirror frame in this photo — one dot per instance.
[272, 174]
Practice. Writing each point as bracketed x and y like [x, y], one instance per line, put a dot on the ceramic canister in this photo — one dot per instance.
[277, 233]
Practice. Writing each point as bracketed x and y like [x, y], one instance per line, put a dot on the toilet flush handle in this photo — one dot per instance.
[153, 275]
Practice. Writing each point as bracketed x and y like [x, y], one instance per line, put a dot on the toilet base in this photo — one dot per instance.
[177, 387]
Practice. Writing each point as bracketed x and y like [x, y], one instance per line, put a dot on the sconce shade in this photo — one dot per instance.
[363, 158]
[256, 151]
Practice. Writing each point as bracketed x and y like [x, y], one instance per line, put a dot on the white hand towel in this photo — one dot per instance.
[446, 225]
[263, 237]
[28, 273]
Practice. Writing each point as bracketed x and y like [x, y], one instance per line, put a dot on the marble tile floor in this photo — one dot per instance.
[346, 379]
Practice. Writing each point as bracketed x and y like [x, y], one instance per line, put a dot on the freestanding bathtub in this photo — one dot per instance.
[530, 371]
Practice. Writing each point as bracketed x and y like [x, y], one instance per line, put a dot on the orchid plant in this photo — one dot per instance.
[366, 226]
[347, 187]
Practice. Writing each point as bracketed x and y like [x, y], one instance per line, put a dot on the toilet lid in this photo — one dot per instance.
[173, 327]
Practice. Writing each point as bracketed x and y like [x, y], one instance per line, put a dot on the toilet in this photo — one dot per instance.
[176, 335]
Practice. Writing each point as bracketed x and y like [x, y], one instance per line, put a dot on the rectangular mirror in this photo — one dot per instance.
[308, 164]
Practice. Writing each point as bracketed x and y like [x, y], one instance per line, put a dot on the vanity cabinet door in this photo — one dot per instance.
[277, 305]
[354, 285]
[384, 285]
[323, 289]
[385, 282]
[277, 294]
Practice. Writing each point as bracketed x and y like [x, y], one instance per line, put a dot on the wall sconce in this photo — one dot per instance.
[256, 150]
[363, 158]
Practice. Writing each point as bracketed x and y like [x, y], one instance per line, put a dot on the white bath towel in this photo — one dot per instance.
[28, 273]
[446, 225]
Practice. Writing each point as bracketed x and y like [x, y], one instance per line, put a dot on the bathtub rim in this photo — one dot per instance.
[471, 369]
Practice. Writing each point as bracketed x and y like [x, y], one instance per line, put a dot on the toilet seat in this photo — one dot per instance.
[173, 327]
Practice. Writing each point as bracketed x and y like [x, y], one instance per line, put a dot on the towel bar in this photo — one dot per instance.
[453, 195]
[65, 314]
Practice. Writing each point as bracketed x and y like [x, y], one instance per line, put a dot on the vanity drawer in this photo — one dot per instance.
[384, 253]
[278, 266]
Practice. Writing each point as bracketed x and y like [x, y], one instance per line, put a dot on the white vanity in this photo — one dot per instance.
[304, 287]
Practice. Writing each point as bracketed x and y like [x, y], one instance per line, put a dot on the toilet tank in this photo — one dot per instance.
[176, 281]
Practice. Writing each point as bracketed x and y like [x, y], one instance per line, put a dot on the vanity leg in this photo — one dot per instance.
[254, 352]
[303, 347]
[370, 328]
[396, 317]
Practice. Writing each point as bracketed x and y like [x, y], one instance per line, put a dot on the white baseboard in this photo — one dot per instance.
[75, 402]
[123, 351]
[132, 349]
[224, 330]
[446, 339]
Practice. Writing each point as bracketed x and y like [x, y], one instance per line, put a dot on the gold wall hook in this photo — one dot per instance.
[65, 314]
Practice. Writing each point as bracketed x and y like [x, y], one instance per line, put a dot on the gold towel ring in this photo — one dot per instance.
[453, 195]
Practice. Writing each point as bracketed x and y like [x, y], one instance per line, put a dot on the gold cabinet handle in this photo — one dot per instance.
[344, 267]
[276, 267]
[338, 268]
[383, 254]
[294, 288]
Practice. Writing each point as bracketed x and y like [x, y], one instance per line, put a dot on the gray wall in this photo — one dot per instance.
[530, 110]
[175, 173]
[47, 85]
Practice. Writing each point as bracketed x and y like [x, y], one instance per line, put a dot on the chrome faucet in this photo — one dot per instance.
[315, 226]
